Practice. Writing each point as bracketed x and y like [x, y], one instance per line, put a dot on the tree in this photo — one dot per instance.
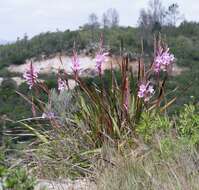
[114, 17]
[151, 21]
[144, 19]
[110, 18]
[145, 27]
[93, 21]
[156, 12]
[173, 14]
[152, 16]
[92, 25]
[105, 21]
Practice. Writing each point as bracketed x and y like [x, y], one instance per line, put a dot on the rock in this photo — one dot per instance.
[81, 184]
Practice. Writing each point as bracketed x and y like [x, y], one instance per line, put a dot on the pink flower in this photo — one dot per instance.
[61, 84]
[48, 115]
[145, 91]
[31, 75]
[100, 59]
[75, 64]
[163, 60]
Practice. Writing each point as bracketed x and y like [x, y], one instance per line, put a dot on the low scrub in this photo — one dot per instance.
[153, 170]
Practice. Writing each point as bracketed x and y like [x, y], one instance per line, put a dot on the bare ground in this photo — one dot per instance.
[87, 64]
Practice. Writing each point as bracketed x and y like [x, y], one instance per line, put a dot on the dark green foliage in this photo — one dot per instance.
[16, 179]
[151, 124]
[183, 41]
[12, 104]
[188, 126]
[185, 125]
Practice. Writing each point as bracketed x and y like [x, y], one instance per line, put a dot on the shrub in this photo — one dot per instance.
[152, 124]
[96, 113]
[16, 179]
[9, 84]
[188, 124]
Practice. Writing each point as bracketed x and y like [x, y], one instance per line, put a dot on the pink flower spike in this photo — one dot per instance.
[31, 75]
[163, 60]
[75, 64]
[100, 59]
[62, 85]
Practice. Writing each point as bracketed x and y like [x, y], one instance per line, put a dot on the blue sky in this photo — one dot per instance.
[35, 16]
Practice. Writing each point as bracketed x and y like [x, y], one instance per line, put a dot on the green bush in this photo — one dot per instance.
[152, 124]
[16, 179]
[188, 124]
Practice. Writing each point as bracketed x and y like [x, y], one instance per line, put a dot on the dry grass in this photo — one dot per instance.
[155, 170]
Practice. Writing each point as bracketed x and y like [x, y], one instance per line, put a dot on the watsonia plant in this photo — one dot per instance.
[113, 113]
[91, 115]
[110, 113]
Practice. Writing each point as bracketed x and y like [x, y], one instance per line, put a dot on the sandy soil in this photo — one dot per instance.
[53, 64]
[87, 64]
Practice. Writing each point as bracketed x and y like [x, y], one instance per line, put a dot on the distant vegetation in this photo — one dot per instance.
[183, 40]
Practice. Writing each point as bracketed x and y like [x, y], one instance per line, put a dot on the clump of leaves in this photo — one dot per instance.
[152, 123]
[17, 179]
[188, 124]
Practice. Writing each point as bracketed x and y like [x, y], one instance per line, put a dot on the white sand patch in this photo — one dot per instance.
[54, 64]
[87, 64]
[1, 80]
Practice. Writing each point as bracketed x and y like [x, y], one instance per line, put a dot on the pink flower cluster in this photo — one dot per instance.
[163, 60]
[145, 91]
[75, 63]
[31, 75]
[100, 59]
[62, 84]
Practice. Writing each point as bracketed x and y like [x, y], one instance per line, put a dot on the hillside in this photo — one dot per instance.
[182, 40]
